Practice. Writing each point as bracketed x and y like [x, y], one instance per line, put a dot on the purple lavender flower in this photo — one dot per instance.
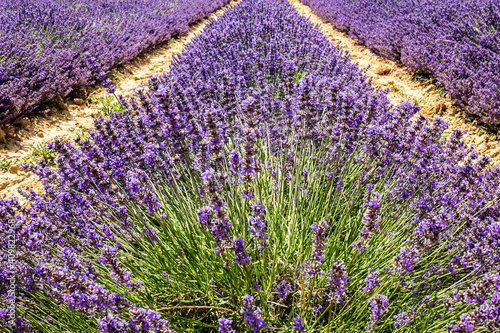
[204, 214]
[111, 323]
[94, 42]
[317, 308]
[121, 275]
[235, 161]
[396, 31]
[251, 314]
[297, 324]
[283, 289]
[378, 304]
[371, 280]
[405, 317]
[151, 151]
[257, 226]
[150, 232]
[319, 240]
[337, 278]
[219, 229]
[408, 255]
[225, 325]
[240, 256]
[148, 320]
[370, 223]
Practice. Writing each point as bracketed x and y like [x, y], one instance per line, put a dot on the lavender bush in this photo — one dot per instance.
[262, 184]
[457, 42]
[51, 47]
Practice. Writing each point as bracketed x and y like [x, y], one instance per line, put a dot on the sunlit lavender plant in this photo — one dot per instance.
[149, 220]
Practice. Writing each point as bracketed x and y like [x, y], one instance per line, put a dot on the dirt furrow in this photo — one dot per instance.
[404, 85]
[74, 116]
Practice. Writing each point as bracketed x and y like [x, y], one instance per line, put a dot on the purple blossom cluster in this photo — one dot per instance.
[486, 295]
[319, 231]
[378, 304]
[259, 85]
[225, 325]
[283, 288]
[337, 279]
[455, 41]
[257, 226]
[370, 223]
[252, 315]
[298, 324]
[240, 256]
[50, 48]
[371, 280]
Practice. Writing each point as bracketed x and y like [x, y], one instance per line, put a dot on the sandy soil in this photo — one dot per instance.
[71, 117]
[389, 74]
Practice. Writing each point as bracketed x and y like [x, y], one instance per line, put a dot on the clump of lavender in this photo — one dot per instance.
[111, 323]
[337, 279]
[154, 169]
[251, 315]
[408, 255]
[405, 317]
[225, 325]
[117, 271]
[240, 256]
[258, 225]
[214, 215]
[75, 47]
[250, 165]
[487, 308]
[297, 324]
[370, 222]
[319, 231]
[283, 289]
[371, 280]
[378, 304]
[146, 319]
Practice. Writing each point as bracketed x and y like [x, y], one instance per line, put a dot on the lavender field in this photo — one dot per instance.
[50, 47]
[261, 184]
[457, 42]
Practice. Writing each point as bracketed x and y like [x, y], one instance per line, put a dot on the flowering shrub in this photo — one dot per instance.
[262, 184]
[50, 47]
[455, 41]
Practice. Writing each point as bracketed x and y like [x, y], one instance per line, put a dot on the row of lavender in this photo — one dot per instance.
[48, 48]
[457, 42]
[262, 184]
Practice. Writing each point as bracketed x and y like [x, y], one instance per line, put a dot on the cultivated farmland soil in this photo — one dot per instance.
[396, 77]
[71, 117]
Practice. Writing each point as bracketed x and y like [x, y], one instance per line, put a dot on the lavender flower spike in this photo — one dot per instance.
[297, 324]
[337, 278]
[371, 280]
[251, 314]
[378, 304]
[370, 222]
[225, 325]
[319, 240]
